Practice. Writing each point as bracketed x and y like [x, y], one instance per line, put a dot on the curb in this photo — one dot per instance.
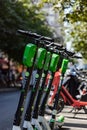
[8, 89]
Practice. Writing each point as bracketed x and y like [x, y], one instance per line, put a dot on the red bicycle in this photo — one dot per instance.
[65, 97]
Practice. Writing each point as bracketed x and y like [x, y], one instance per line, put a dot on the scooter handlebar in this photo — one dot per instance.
[69, 53]
[77, 57]
[54, 45]
[35, 35]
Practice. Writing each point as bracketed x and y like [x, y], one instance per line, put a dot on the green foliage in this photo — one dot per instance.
[74, 13]
[21, 14]
[77, 17]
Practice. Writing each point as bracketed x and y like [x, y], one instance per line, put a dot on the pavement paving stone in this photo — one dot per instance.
[79, 122]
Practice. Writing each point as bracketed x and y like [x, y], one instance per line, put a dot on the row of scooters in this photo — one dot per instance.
[45, 56]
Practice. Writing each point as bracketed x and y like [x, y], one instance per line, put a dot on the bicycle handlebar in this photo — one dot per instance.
[35, 35]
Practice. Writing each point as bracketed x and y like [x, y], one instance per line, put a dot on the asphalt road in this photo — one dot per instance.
[8, 105]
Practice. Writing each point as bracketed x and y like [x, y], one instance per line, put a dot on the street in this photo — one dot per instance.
[8, 104]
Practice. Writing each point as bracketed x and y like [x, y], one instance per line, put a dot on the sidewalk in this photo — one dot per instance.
[9, 89]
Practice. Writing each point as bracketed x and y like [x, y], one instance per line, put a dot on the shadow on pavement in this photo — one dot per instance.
[80, 118]
[75, 125]
[62, 128]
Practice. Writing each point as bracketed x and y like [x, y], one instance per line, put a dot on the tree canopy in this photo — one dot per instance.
[23, 14]
[73, 13]
[20, 14]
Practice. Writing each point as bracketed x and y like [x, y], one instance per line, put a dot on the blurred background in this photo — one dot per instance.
[66, 21]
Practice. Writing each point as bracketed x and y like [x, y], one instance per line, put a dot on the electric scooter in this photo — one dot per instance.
[41, 118]
[56, 81]
[32, 100]
[63, 70]
[42, 84]
[67, 98]
[34, 118]
[34, 89]
[54, 111]
[55, 86]
[29, 61]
